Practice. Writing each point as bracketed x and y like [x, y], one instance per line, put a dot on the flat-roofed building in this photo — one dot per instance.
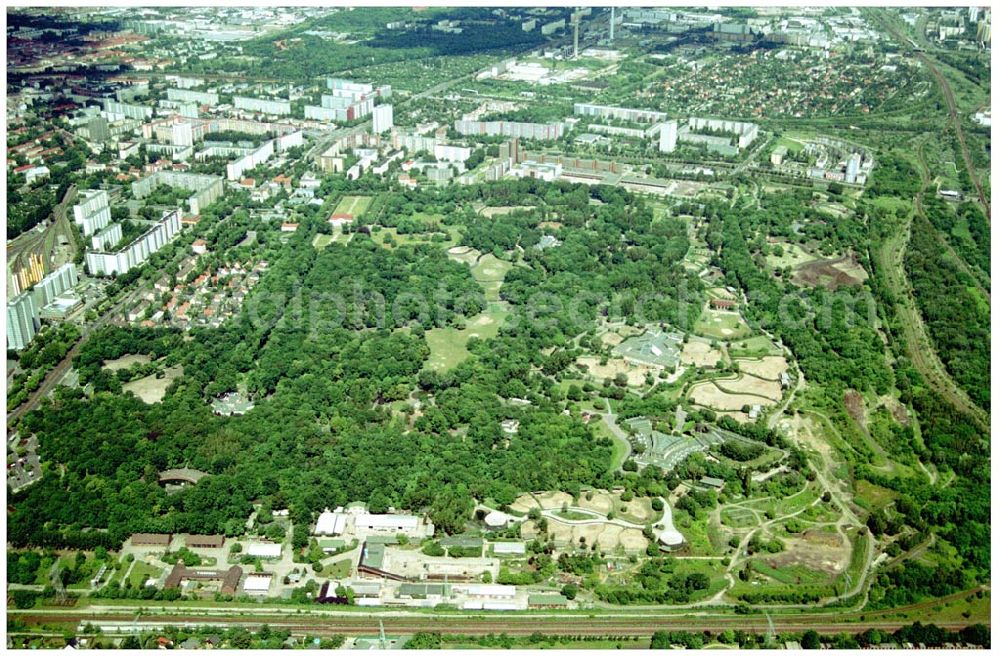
[331, 523]
[229, 580]
[509, 548]
[205, 541]
[265, 550]
[393, 523]
[257, 583]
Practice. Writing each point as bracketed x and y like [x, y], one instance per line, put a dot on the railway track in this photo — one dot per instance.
[356, 624]
[624, 622]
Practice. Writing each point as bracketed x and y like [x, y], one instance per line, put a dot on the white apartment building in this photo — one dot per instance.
[382, 119]
[93, 213]
[22, 321]
[108, 263]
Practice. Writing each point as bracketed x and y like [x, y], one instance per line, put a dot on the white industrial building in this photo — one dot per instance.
[745, 132]
[331, 523]
[853, 167]
[445, 153]
[235, 170]
[182, 134]
[392, 524]
[265, 550]
[509, 547]
[257, 583]
[205, 189]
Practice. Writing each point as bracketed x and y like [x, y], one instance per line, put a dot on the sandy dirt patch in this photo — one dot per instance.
[750, 385]
[601, 502]
[611, 339]
[707, 394]
[768, 367]
[504, 209]
[899, 412]
[465, 254]
[855, 405]
[831, 274]
[700, 354]
[640, 509]
[126, 362]
[636, 373]
[151, 389]
[554, 500]
[820, 551]
[524, 504]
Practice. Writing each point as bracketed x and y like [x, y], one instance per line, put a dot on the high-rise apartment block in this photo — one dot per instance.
[668, 137]
[93, 212]
[22, 321]
[382, 119]
[108, 263]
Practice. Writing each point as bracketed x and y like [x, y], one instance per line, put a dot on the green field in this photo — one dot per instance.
[755, 347]
[141, 572]
[447, 344]
[721, 325]
[793, 256]
[489, 272]
[380, 235]
[337, 570]
[354, 205]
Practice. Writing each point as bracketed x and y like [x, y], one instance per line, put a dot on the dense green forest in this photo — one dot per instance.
[955, 312]
[328, 339]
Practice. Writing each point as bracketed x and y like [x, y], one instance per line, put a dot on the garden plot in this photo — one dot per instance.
[353, 205]
[739, 518]
[722, 293]
[151, 389]
[636, 373]
[769, 367]
[700, 354]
